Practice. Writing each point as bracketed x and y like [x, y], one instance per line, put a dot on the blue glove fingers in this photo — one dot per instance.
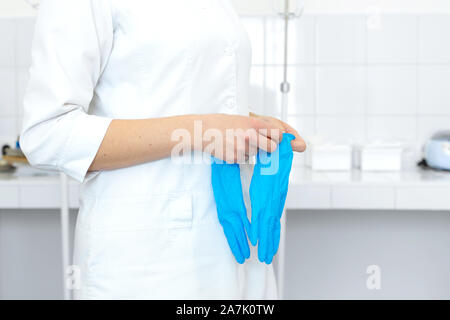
[273, 240]
[244, 218]
[286, 142]
[269, 259]
[269, 252]
[233, 243]
[268, 196]
[256, 214]
[243, 243]
[253, 235]
[264, 249]
[231, 210]
[248, 229]
[281, 203]
[242, 210]
[246, 225]
[259, 198]
[276, 234]
[263, 243]
[286, 155]
[261, 250]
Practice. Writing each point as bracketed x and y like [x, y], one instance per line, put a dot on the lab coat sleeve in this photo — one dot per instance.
[72, 42]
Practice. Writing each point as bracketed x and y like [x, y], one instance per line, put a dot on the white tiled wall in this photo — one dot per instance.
[15, 43]
[353, 78]
[339, 39]
[393, 41]
[358, 78]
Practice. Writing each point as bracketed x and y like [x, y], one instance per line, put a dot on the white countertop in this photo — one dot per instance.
[412, 190]
[408, 190]
[34, 192]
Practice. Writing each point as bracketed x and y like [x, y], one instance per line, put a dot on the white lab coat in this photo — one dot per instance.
[150, 231]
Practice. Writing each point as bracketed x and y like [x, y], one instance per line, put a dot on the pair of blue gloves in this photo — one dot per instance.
[268, 191]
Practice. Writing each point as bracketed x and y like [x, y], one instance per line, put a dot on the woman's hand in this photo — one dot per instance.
[235, 138]
[298, 145]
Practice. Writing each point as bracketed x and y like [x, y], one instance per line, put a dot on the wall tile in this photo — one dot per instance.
[7, 92]
[342, 129]
[25, 31]
[434, 90]
[434, 39]
[392, 90]
[301, 97]
[305, 125]
[255, 30]
[256, 94]
[341, 39]
[8, 128]
[393, 128]
[395, 41]
[22, 75]
[301, 41]
[341, 90]
[7, 35]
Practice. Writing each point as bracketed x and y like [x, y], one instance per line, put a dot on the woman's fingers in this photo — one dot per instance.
[266, 144]
[298, 145]
[274, 122]
[268, 129]
[263, 143]
[241, 137]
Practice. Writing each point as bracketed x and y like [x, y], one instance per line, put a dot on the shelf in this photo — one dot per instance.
[410, 190]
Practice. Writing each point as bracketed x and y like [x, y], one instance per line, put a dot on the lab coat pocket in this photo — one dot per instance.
[135, 233]
[137, 230]
[180, 215]
[130, 213]
[127, 231]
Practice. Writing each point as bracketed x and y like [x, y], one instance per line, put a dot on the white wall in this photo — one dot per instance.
[400, 65]
[357, 78]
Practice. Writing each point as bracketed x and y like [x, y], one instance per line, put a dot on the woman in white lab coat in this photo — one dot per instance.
[110, 81]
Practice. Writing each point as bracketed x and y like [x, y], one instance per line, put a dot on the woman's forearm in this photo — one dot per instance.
[133, 142]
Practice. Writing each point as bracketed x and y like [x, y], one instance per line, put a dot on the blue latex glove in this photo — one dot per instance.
[227, 188]
[268, 191]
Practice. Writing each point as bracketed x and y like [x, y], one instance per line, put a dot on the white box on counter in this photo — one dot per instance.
[380, 157]
[330, 157]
